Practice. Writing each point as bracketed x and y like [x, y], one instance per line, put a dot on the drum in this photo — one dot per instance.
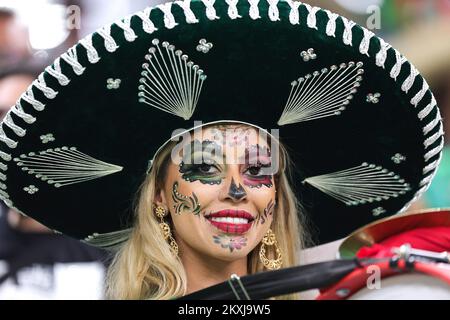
[393, 279]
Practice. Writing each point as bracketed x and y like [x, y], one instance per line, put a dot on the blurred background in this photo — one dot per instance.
[34, 32]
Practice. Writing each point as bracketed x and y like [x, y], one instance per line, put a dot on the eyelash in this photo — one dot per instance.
[259, 166]
[196, 168]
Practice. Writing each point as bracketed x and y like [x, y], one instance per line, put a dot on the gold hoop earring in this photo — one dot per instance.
[270, 240]
[165, 228]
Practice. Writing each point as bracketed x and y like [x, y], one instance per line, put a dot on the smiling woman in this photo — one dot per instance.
[90, 151]
[223, 206]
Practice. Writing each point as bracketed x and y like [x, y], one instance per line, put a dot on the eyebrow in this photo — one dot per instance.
[206, 148]
[255, 151]
[211, 149]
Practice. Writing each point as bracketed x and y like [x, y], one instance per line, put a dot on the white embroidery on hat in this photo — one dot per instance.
[363, 184]
[18, 111]
[294, 16]
[365, 42]
[431, 140]
[92, 53]
[433, 152]
[311, 21]
[397, 68]
[8, 121]
[56, 72]
[108, 240]
[378, 211]
[308, 55]
[4, 138]
[169, 81]
[427, 110]
[322, 94]
[125, 24]
[373, 97]
[188, 13]
[419, 96]
[64, 166]
[433, 165]
[41, 85]
[232, 9]
[432, 124]
[147, 24]
[71, 57]
[204, 46]
[109, 42]
[210, 10]
[408, 83]
[254, 10]
[113, 84]
[5, 156]
[398, 158]
[382, 54]
[348, 27]
[31, 189]
[331, 24]
[274, 14]
[3, 195]
[169, 19]
[46, 138]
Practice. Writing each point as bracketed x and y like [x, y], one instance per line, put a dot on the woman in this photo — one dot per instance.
[86, 149]
[199, 198]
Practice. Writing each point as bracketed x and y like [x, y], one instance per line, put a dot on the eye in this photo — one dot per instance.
[207, 168]
[259, 170]
[254, 171]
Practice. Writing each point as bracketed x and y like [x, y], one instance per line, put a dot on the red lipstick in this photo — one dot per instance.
[231, 221]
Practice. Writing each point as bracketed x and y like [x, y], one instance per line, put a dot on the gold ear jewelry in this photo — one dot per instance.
[270, 240]
[165, 228]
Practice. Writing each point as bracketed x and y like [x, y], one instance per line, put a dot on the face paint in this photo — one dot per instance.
[219, 230]
[234, 137]
[236, 192]
[231, 243]
[184, 203]
[258, 167]
[201, 164]
[268, 211]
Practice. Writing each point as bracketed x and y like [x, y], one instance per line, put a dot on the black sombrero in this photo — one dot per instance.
[360, 122]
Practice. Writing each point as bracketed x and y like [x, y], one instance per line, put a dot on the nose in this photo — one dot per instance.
[234, 190]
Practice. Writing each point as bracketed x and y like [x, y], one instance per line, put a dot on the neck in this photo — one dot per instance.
[203, 271]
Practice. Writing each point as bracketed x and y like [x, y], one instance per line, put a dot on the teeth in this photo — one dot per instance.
[230, 220]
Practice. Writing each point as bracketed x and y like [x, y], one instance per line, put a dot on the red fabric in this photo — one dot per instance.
[436, 239]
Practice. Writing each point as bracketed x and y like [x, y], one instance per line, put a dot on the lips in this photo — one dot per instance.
[231, 221]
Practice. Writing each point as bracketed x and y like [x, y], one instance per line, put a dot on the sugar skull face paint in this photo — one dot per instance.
[221, 201]
[258, 162]
[231, 243]
[184, 203]
[202, 165]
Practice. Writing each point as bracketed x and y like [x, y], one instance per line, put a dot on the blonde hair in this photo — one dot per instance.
[145, 267]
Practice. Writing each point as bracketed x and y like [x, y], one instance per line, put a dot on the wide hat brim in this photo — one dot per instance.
[380, 230]
[77, 145]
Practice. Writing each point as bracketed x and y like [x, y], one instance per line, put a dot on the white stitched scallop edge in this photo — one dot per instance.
[70, 57]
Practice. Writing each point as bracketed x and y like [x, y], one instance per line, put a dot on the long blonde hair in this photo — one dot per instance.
[145, 267]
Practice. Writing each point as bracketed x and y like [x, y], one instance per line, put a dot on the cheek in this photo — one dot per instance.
[257, 182]
[261, 197]
[189, 194]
